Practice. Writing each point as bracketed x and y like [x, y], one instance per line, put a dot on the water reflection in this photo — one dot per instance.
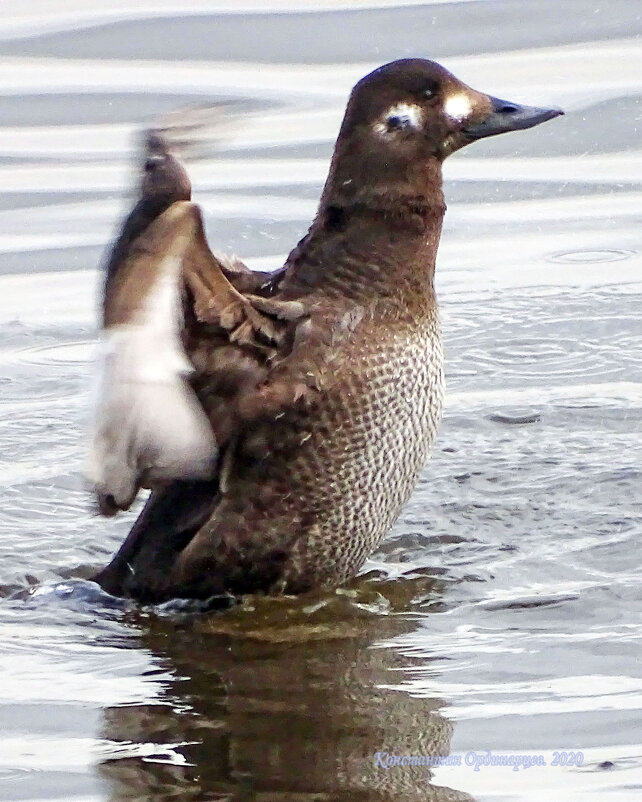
[287, 701]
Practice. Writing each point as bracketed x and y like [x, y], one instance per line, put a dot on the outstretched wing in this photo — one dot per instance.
[173, 320]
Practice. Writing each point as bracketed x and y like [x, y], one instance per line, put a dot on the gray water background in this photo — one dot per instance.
[504, 612]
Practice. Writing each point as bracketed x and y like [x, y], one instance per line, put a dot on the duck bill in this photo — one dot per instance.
[506, 116]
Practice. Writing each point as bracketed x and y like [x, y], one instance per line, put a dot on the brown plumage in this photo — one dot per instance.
[322, 383]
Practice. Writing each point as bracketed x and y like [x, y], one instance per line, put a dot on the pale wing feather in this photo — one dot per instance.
[149, 425]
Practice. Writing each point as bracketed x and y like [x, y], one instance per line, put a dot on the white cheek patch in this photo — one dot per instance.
[458, 107]
[399, 117]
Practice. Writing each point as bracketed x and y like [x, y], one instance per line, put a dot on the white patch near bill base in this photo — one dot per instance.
[400, 116]
[149, 424]
[458, 107]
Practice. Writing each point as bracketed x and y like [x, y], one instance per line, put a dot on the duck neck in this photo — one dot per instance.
[376, 242]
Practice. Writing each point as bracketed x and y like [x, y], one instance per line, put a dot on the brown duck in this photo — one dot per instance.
[282, 420]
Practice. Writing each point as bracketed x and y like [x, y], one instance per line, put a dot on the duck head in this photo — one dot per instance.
[412, 112]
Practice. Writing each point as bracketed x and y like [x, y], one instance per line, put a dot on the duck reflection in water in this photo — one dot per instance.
[287, 701]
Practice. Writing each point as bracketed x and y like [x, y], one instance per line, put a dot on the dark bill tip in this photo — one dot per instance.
[506, 116]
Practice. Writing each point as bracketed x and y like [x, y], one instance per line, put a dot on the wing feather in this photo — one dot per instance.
[148, 426]
[191, 351]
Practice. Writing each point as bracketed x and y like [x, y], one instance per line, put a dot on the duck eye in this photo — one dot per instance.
[401, 116]
[430, 92]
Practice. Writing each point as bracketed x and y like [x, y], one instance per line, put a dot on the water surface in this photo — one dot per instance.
[504, 611]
